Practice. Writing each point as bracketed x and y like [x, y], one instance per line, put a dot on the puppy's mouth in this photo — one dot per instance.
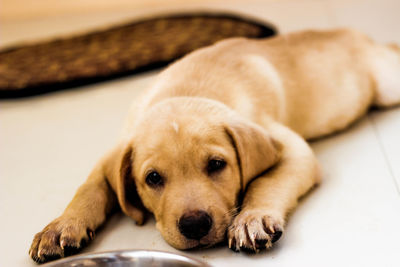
[191, 244]
[213, 238]
[200, 246]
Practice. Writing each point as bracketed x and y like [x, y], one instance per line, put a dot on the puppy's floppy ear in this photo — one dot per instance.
[256, 150]
[119, 174]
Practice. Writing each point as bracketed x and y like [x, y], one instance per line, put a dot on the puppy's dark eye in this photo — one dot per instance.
[215, 165]
[154, 179]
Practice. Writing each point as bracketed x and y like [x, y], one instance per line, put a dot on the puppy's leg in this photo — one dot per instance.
[86, 212]
[270, 197]
[386, 72]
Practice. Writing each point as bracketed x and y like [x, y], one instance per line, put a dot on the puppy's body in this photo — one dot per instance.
[313, 82]
[241, 103]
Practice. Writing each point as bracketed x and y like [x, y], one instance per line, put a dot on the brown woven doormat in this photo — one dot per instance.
[28, 70]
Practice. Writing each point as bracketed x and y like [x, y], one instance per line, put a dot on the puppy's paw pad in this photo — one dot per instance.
[253, 231]
[62, 237]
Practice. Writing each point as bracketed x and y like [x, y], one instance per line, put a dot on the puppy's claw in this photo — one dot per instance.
[253, 241]
[271, 228]
[237, 245]
[268, 245]
[232, 244]
[91, 234]
[63, 243]
[40, 254]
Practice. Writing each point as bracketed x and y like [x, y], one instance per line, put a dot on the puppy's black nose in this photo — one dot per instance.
[195, 224]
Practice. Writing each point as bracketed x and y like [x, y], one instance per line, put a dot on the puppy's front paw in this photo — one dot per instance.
[62, 237]
[254, 230]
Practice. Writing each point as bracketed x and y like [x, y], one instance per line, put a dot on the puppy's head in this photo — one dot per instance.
[188, 162]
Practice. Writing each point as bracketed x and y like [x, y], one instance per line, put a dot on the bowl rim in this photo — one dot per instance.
[133, 252]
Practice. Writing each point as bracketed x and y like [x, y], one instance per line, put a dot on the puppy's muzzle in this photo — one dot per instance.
[195, 224]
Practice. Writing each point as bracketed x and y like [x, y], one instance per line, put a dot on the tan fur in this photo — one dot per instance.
[250, 102]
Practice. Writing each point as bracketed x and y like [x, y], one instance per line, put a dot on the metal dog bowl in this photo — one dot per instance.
[128, 258]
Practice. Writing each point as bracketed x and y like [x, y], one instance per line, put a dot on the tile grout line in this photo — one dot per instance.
[382, 148]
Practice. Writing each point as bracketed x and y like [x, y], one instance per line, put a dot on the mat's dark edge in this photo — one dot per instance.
[268, 28]
[267, 31]
[75, 84]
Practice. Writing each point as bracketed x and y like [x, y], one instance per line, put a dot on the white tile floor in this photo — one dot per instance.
[49, 143]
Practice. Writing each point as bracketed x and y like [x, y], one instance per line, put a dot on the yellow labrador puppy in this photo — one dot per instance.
[216, 147]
